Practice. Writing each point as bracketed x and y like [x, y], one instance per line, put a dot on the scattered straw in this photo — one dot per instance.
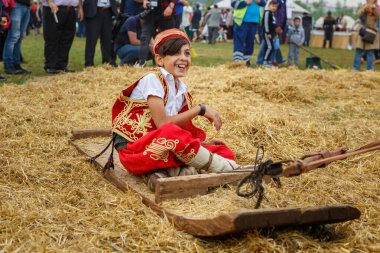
[52, 199]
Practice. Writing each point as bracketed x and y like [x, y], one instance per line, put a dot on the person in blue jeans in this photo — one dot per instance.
[127, 43]
[19, 16]
[246, 22]
[369, 15]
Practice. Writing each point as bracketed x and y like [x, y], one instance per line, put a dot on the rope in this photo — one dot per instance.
[252, 185]
[110, 163]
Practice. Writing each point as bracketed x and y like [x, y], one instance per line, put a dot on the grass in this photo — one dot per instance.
[221, 53]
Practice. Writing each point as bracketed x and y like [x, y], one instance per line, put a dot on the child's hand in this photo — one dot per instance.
[269, 36]
[216, 141]
[3, 21]
[213, 116]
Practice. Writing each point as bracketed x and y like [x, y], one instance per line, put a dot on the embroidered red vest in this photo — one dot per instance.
[132, 118]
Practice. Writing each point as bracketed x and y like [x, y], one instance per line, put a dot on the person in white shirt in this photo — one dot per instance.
[151, 120]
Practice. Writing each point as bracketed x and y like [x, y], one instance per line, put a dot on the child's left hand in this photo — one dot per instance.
[216, 141]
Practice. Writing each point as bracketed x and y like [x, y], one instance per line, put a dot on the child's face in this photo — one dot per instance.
[273, 7]
[297, 23]
[177, 64]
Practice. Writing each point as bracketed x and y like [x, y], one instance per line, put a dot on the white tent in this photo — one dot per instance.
[350, 22]
[295, 10]
[224, 4]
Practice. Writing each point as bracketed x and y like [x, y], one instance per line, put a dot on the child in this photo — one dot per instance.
[269, 30]
[222, 35]
[295, 37]
[151, 120]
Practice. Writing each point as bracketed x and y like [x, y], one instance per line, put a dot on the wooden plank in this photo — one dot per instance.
[229, 222]
[90, 133]
[190, 186]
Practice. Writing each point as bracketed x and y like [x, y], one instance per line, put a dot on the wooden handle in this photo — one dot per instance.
[90, 133]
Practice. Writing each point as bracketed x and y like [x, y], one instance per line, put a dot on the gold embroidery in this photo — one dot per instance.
[139, 126]
[186, 158]
[160, 148]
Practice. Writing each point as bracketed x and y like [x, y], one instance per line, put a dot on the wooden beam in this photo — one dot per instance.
[227, 223]
[90, 133]
[190, 186]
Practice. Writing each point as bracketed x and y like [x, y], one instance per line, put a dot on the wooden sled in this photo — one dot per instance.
[189, 186]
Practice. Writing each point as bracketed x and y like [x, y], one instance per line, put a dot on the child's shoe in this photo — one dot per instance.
[267, 64]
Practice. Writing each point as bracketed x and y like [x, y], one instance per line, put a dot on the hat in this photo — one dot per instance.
[168, 34]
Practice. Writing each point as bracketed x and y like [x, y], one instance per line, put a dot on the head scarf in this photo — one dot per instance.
[168, 34]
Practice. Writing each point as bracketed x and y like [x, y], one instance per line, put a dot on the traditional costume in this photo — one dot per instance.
[142, 146]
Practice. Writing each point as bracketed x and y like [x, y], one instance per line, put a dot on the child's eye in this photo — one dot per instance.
[187, 53]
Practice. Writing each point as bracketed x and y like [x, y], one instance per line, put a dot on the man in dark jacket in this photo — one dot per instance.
[98, 19]
[328, 27]
[12, 47]
[159, 16]
[197, 16]
[307, 23]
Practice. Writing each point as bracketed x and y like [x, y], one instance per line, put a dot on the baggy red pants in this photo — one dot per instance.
[165, 147]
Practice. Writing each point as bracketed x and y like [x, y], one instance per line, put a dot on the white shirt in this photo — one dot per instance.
[150, 85]
[104, 3]
[187, 11]
[62, 2]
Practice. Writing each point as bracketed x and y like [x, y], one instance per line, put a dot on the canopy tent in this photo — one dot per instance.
[224, 4]
[350, 22]
[295, 10]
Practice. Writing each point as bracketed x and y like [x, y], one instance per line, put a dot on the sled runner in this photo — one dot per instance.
[188, 186]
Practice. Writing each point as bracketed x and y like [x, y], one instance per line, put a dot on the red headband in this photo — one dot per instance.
[168, 34]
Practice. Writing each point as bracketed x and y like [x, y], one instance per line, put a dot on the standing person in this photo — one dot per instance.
[230, 24]
[186, 20]
[168, 139]
[19, 17]
[3, 23]
[59, 30]
[269, 30]
[160, 16]
[341, 23]
[178, 12]
[195, 21]
[213, 22]
[295, 38]
[369, 15]
[328, 27]
[39, 18]
[246, 19]
[307, 23]
[98, 19]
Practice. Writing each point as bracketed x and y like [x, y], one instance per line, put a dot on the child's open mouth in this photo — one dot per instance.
[181, 66]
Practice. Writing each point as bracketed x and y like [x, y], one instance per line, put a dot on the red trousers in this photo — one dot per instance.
[165, 147]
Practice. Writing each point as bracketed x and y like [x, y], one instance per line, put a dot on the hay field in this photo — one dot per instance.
[52, 200]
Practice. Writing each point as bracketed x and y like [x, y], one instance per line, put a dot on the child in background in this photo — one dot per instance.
[269, 30]
[295, 38]
[222, 35]
[151, 120]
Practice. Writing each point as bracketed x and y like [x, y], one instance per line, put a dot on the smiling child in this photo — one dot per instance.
[151, 120]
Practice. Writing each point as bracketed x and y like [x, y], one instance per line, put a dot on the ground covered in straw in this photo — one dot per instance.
[53, 200]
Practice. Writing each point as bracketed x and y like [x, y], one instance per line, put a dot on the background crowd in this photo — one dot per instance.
[126, 30]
